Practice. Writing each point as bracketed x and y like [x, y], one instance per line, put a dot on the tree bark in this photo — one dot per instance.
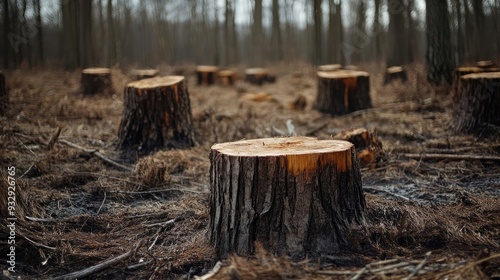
[394, 73]
[297, 196]
[342, 92]
[156, 115]
[97, 80]
[4, 98]
[368, 146]
[478, 102]
[206, 75]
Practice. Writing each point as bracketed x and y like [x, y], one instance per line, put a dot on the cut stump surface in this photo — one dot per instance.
[206, 74]
[227, 77]
[395, 73]
[296, 196]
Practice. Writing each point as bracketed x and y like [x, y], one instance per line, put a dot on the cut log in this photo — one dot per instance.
[258, 76]
[206, 75]
[342, 92]
[227, 77]
[156, 115]
[394, 73]
[329, 67]
[97, 80]
[368, 146]
[4, 98]
[297, 196]
[478, 102]
[139, 74]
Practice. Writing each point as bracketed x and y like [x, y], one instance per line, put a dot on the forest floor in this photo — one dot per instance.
[75, 211]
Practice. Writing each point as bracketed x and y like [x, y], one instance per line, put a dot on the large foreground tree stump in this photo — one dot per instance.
[156, 115]
[97, 80]
[4, 98]
[343, 92]
[329, 67]
[478, 102]
[297, 196]
[394, 73]
[227, 77]
[206, 75]
[258, 76]
[139, 74]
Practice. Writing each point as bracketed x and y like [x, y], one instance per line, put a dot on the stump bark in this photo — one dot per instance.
[227, 77]
[343, 92]
[206, 75]
[329, 67]
[478, 102]
[394, 73]
[156, 115]
[96, 80]
[368, 145]
[4, 98]
[140, 74]
[297, 196]
[258, 76]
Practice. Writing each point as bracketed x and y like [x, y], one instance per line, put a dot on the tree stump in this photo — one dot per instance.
[342, 92]
[156, 115]
[329, 67]
[485, 64]
[140, 74]
[206, 75]
[258, 76]
[478, 102]
[4, 98]
[394, 73]
[96, 80]
[297, 196]
[227, 77]
[368, 146]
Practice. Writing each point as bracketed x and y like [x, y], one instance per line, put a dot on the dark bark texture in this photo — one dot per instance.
[478, 103]
[206, 77]
[94, 83]
[343, 94]
[4, 98]
[289, 211]
[156, 118]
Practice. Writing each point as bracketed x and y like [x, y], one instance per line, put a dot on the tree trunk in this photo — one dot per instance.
[258, 76]
[140, 74]
[4, 98]
[343, 92]
[396, 34]
[440, 64]
[206, 75]
[97, 80]
[318, 32]
[297, 196]
[6, 30]
[227, 77]
[478, 102]
[156, 115]
[394, 73]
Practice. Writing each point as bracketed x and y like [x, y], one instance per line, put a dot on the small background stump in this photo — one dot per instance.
[227, 77]
[485, 64]
[258, 76]
[296, 196]
[329, 67]
[97, 80]
[4, 98]
[139, 74]
[205, 75]
[156, 115]
[368, 146]
[477, 104]
[394, 73]
[342, 92]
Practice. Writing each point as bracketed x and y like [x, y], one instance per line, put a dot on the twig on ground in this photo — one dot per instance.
[211, 273]
[96, 153]
[102, 203]
[419, 266]
[54, 138]
[451, 157]
[39, 244]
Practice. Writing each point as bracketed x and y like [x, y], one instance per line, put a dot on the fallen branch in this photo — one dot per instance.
[451, 157]
[211, 273]
[419, 266]
[96, 153]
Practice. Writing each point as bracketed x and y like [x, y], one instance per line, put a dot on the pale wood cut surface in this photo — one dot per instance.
[207, 68]
[342, 74]
[156, 82]
[96, 70]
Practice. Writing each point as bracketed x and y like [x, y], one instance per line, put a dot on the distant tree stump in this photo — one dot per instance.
[156, 115]
[227, 77]
[97, 80]
[478, 102]
[394, 73]
[206, 75]
[485, 64]
[368, 146]
[4, 98]
[329, 67]
[258, 76]
[343, 92]
[295, 195]
[139, 74]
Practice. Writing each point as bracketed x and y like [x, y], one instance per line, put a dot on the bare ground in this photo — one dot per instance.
[76, 211]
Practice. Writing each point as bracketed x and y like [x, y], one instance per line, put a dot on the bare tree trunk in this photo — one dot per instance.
[395, 50]
[6, 30]
[471, 47]
[460, 35]
[479, 20]
[257, 33]
[377, 30]
[276, 40]
[318, 32]
[410, 33]
[111, 35]
[38, 18]
[340, 26]
[359, 40]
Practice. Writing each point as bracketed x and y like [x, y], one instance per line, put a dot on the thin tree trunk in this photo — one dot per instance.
[376, 31]
[38, 18]
[257, 33]
[6, 30]
[318, 32]
[276, 40]
[111, 35]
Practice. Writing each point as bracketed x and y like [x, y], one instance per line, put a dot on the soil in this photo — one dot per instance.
[75, 210]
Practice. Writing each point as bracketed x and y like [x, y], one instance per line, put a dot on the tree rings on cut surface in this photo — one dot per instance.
[206, 74]
[96, 80]
[156, 115]
[342, 92]
[297, 196]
